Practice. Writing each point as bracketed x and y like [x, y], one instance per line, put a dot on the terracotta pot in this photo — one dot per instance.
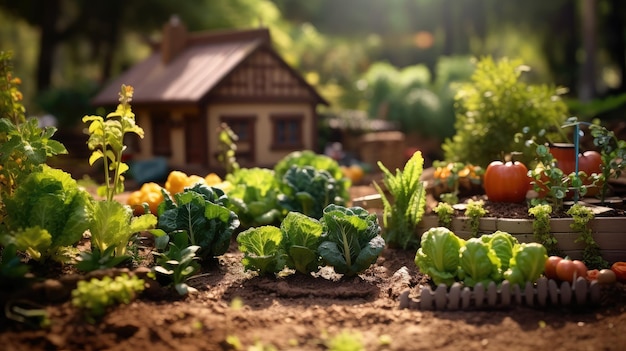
[588, 162]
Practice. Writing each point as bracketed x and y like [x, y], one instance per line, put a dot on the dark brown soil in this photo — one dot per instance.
[236, 310]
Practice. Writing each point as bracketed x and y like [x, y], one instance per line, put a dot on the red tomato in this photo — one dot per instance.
[588, 162]
[570, 270]
[506, 182]
[592, 274]
[550, 269]
[619, 268]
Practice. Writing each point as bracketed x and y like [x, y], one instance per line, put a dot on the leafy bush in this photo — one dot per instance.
[496, 105]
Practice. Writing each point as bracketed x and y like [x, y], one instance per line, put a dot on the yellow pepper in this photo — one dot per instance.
[149, 193]
[176, 182]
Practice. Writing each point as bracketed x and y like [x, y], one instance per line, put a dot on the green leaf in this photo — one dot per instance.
[262, 249]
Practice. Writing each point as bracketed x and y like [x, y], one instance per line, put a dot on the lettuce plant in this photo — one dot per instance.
[262, 249]
[301, 239]
[409, 202]
[47, 211]
[478, 263]
[253, 197]
[318, 162]
[528, 263]
[309, 190]
[201, 211]
[502, 243]
[351, 239]
[438, 255]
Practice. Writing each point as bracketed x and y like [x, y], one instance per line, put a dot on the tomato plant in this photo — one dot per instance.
[506, 182]
[570, 270]
[619, 268]
[550, 269]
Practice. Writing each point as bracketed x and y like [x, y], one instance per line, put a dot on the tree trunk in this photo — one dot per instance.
[48, 42]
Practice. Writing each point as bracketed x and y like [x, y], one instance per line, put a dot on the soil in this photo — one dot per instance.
[236, 310]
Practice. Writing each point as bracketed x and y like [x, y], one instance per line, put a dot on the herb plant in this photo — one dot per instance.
[541, 228]
[475, 211]
[444, 212]
[613, 153]
[351, 239]
[94, 297]
[178, 263]
[409, 202]
[582, 215]
[24, 146]
[113, 224]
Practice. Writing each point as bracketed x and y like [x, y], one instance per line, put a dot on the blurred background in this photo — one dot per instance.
[395, 60]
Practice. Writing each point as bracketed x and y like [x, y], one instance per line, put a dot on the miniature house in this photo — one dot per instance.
[197, 81]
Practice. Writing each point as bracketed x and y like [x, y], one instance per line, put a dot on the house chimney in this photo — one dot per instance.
[174, 39]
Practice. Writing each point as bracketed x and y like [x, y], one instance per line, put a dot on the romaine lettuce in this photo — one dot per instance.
[439, 255]
[478, 263]
[528, 263]
[502, 243]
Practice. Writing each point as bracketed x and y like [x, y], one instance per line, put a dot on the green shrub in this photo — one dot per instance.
[496, 105]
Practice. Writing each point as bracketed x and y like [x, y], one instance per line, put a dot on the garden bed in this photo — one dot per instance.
[307, 313]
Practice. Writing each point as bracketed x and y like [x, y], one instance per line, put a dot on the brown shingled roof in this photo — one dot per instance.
[204, 61]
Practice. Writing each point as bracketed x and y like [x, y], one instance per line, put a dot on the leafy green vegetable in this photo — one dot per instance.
[254, 195]
[409, 202]
[351, 240]
[528, 263]
[320, 163]
[439, 255]
[301, 237]
[262, 249]
[178, 263]
[308, 190]
[12, 270]
[47, 211]
[502, 243]
[202, 212]
[95, 296]
[112, 229]
[478, 263]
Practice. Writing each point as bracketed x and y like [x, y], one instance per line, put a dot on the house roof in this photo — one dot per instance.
[202, 62]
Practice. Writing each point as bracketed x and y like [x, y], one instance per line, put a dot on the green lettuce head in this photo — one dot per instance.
[439, 255]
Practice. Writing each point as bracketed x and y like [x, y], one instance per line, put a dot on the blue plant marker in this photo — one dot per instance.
[576, 125]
